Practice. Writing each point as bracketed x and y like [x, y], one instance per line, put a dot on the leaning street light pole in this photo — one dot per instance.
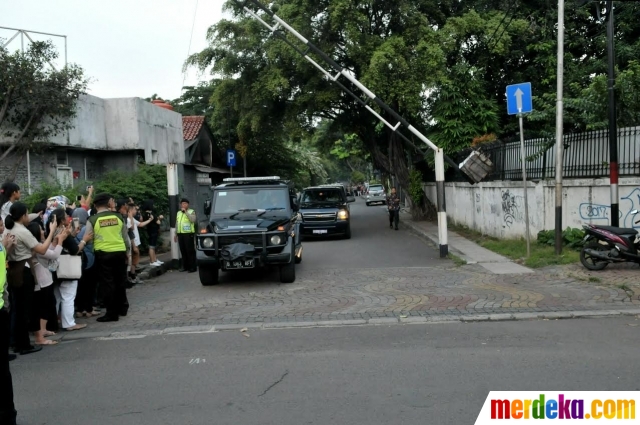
[613, 140]
[559, 127]
[370, 97]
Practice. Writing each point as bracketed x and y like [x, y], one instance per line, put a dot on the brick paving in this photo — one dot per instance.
[178, 300]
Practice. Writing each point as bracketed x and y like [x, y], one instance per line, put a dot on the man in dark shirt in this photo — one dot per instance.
[393, 203]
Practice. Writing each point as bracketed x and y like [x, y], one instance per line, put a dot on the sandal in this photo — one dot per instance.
[76, 327]
[47, 342]
[48, 333]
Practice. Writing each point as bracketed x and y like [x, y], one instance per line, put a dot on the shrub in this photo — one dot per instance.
[571, 238]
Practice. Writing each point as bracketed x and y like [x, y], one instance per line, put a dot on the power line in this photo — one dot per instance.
[193, 25]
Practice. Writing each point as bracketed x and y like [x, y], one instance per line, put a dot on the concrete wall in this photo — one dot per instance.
[125, 125]
[497, 208]
[44, 166]
[195, 191]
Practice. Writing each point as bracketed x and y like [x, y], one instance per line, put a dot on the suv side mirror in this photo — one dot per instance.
[207, 207]
[351, 198]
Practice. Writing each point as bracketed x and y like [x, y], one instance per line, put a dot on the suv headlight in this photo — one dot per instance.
[276, 240]
[343, 215]
[207, 243]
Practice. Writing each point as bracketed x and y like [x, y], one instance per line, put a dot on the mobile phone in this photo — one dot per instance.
[76, 223]
[79, 198]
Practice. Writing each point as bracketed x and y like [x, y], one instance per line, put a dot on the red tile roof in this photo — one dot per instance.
[191, 127]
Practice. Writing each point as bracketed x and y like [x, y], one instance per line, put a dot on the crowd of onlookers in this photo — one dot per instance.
[40, 303]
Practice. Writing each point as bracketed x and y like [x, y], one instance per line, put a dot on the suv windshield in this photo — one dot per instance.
[238, 200]
[376, 188]
[312, 196]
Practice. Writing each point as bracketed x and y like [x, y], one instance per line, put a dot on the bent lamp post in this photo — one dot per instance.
[342, 72]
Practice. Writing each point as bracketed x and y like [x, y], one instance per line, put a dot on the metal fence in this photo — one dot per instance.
[586, 155]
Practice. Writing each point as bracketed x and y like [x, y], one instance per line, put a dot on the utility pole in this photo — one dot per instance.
[613, 139]
[559, 127]
[229, 132]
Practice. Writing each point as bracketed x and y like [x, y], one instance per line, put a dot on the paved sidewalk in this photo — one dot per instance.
[469, 251]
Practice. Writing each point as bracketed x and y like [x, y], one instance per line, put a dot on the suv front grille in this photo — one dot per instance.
[319, 217]
[255, 240]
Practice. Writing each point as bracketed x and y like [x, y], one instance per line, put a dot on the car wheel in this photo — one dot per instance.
[208, 275]
[288, 272]
[299, 259]
[347, 234]
[368, 204]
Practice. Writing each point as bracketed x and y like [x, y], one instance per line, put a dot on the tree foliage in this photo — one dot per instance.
[441, 65]
[36, 100]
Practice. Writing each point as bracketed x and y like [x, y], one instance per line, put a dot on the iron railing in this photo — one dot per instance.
[586, 155]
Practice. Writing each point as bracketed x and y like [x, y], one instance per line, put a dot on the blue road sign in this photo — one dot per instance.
[519, 99]
[231, 158]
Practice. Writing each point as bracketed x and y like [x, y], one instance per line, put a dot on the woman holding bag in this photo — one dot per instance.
[44, 298]
[65, 289]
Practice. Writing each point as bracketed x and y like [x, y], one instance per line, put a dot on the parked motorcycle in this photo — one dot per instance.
[608, 244]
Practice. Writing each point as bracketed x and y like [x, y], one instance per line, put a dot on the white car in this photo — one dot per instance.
[376, 194]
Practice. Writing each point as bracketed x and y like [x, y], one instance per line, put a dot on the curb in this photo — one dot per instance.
[433, 240]
[380, 321]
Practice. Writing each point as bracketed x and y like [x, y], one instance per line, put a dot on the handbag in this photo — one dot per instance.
[15, 276]
[69, 267]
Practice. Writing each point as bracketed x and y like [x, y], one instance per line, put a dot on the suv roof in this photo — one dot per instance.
[254, 181]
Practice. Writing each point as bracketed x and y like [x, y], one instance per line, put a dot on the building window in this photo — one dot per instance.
[62, 158]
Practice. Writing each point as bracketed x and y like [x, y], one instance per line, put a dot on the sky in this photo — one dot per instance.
[128, 48]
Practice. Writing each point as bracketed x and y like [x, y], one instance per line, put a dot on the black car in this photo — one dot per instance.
[325, 211]
[252, 223]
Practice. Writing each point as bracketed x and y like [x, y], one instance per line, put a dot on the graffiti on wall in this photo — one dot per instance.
[594, 211]
[597, 212]
[478, 205]
[512, 208]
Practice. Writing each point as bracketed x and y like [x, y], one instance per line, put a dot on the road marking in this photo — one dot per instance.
[197, 361]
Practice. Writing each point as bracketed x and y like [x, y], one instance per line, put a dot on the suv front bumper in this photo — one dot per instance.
[331, 228]
[261, 257]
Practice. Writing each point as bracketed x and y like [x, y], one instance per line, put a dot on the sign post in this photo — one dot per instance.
[519, 102]
[231, 160]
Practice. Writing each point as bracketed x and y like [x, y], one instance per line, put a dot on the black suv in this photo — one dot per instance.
[325, 211]
[252, 223]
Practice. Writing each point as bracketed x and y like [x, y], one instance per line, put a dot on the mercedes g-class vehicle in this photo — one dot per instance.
[253, 222]
[325, 211]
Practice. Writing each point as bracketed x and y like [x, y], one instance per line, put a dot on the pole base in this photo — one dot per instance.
[444, 251]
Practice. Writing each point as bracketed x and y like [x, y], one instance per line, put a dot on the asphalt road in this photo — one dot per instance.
[401, 374]
[372, 244]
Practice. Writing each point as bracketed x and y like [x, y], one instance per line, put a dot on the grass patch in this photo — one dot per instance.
[516, 249]
[594, 280]
[457, 260]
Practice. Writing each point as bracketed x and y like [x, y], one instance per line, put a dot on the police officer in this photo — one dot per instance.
[111, 242]
[186, 229]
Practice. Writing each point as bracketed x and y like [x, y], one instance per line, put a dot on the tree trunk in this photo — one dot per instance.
[24, 131]
[14, 171]
[5, 107]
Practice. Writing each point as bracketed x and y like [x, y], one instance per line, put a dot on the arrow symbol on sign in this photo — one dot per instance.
[519, 94]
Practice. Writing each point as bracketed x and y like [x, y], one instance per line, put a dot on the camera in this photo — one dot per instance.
[79, 198]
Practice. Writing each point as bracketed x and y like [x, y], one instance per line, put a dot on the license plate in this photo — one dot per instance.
[320, 232]
[240, 264]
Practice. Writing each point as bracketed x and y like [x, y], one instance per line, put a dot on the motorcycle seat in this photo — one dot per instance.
[619, 230]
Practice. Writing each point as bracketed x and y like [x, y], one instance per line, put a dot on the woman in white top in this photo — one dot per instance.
[44, 298]
[9, 193]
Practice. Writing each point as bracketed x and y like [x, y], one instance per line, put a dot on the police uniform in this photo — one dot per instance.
[186, 231]
[110, 245]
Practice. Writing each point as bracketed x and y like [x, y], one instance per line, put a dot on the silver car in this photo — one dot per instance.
[376, 194]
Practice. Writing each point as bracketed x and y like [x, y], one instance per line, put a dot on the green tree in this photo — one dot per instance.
[36, 100]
